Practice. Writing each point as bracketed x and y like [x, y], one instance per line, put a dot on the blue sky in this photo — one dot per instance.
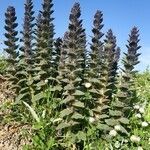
[119, 15]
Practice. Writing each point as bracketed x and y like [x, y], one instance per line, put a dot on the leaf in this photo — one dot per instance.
[21, 73]
[35, 116]
[111, 122]
[24, 90]
[78, 104]
[30, 82]
[65, 112]
[77, 116]
[69, 87]
[42, 73]
[65, 80]
[115, 113]
[94, 80]
[104, 127]
[118, 104]
[124, 120]
[123, 130]
[67, 99]
[56, 88]
[81, 136]
[38, 96]
[20, 97]
[97, 109]
[22, 81]
[78, 93]
[105, 107]
[62, 126]
[103, 116]
[77, 80]
[94, 91]
[40, 84]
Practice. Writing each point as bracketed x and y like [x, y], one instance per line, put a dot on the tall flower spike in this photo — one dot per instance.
[72, 92]
[102, 104]
[124, 102]
[110, 38]
[56, 59]
[28, 31]
[94, 62]
[114, 55]
[11, 43]
[44, 45]
[63, 56]
[26, 61]
[97, 45]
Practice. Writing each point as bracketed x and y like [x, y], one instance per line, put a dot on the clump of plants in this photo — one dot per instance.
[76, 97]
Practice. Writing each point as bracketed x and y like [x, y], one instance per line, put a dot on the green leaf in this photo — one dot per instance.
[77, 116]
[104, 127]
[105, 107]
[21, 73]
[67, 99]
[65, 112]
[38, 96]
[93, 91]
[97, 109]
[39, 84]
[78, 104]
[94, 80]
[111, 122]
[78, 93]
[77, 80]
[62, 126]
[81, 136]
[30, 82]
[56, 88]
[115, 113]
[35, 116]
[20, 97]
[124, 120]
[103, 116]
[69, 87]
[24, 90]
[22, 81]
[123, 130]
[42, 72]
[118, 104]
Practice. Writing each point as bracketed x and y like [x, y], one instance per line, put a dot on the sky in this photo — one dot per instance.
[119, 15]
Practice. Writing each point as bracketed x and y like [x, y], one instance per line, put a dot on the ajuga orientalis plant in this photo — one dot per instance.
[83, 96]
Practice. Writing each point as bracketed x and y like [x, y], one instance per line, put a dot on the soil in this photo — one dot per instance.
[11, 134]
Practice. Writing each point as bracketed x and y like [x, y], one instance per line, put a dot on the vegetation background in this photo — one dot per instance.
[73, 92]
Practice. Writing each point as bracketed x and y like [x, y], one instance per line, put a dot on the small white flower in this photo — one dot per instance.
[87, 85]
[117, 144]
[141, 110]
[126, 141]
[91, 119]
[144, 124]
[135, 138]
[46, 81]
[139, 148]
[117, 127]
[113, 133]
[57, 120]
[136, 107]
[138, 115]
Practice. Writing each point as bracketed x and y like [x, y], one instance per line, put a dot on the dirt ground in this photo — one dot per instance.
[11, 133]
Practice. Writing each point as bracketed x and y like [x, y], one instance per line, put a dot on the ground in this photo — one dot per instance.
[10, 133]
